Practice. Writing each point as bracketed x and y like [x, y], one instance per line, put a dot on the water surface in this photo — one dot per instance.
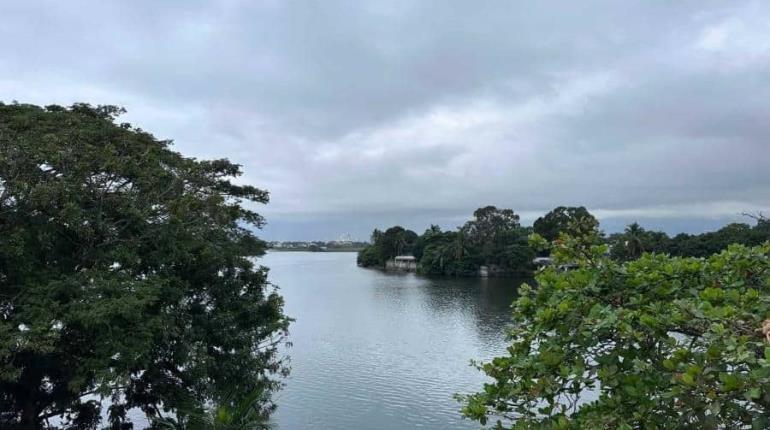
[375, 350]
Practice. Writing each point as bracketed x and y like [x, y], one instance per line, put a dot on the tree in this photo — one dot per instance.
[125, 271]
[563, 219]
[387, 245]
[236, 413]
[485, 232]
[419, 245]
[489, 222]
[635, 241]
[447, 253]
[659, 343]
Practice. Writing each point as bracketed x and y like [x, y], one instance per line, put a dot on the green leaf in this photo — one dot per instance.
[754, 393]
[688, 379]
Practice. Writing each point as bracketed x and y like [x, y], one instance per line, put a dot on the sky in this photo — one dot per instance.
[363, 114]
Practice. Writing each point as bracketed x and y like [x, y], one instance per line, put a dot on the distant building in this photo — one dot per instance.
[402, 262]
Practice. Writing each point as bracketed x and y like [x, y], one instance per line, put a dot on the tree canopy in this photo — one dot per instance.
[635, 240]
[562, 219]
[657, 343]
[125, 272]
[492, 237]
[386, 245]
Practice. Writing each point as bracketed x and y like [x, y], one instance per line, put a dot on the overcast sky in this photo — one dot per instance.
[360, 114]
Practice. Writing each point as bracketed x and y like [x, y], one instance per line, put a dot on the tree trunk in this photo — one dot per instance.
[29, 391]
[29, 416]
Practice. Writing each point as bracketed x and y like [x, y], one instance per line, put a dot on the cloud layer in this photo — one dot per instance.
[364, 114]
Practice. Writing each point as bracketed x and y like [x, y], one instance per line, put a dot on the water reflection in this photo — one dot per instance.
[383, 350]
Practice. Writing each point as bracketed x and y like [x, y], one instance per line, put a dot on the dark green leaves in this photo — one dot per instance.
[125, 269]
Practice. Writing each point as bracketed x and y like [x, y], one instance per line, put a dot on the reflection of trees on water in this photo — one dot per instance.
[478, 309]
[484, 302]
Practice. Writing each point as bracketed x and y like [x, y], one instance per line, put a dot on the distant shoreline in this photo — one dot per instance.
[311, 250]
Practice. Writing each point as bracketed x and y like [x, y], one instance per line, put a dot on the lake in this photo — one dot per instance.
[376, 350]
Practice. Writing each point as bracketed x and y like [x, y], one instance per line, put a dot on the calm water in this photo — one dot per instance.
[376, 350]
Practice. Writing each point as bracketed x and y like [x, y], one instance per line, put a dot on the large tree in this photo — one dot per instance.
[126, 271]
[490, 230]
[563, 219]
[387, 245]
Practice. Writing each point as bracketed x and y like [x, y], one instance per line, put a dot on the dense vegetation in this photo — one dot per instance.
[659, 342]
[635, 240]
[493, 238]
[125, 272]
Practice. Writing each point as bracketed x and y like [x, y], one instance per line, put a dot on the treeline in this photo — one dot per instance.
[493, 238]
[496, 239]
[635, 240]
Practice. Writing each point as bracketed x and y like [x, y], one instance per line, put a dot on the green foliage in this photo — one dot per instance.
[635, 240]
[656, 343]
[448, 253]
[563, 220]
[125, 271]
[386, 245]
[231, 414]
[493, 237]
[369, 257]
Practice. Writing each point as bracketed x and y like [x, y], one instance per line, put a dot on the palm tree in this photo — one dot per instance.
[634, 240]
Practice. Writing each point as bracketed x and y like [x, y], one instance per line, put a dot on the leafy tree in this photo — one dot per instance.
[563, 219]
[490, 231]
[125, 271]
[449, 254]
[488, 223]
[635, 241]
[369, 257]
[419, 245]
[387, 245]
[657, 343]
[235, 413]
[493, 237]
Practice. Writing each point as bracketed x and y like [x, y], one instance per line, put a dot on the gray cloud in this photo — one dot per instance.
[361, 113]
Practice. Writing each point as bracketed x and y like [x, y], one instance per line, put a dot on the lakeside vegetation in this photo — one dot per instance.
[495, 238]
[658, 341]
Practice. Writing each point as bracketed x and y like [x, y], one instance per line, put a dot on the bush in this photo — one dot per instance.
[369, 257]
[657, 343]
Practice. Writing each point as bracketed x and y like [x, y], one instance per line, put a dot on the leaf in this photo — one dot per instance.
[754, 393]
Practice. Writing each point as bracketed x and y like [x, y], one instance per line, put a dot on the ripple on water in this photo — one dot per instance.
[383, 351]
